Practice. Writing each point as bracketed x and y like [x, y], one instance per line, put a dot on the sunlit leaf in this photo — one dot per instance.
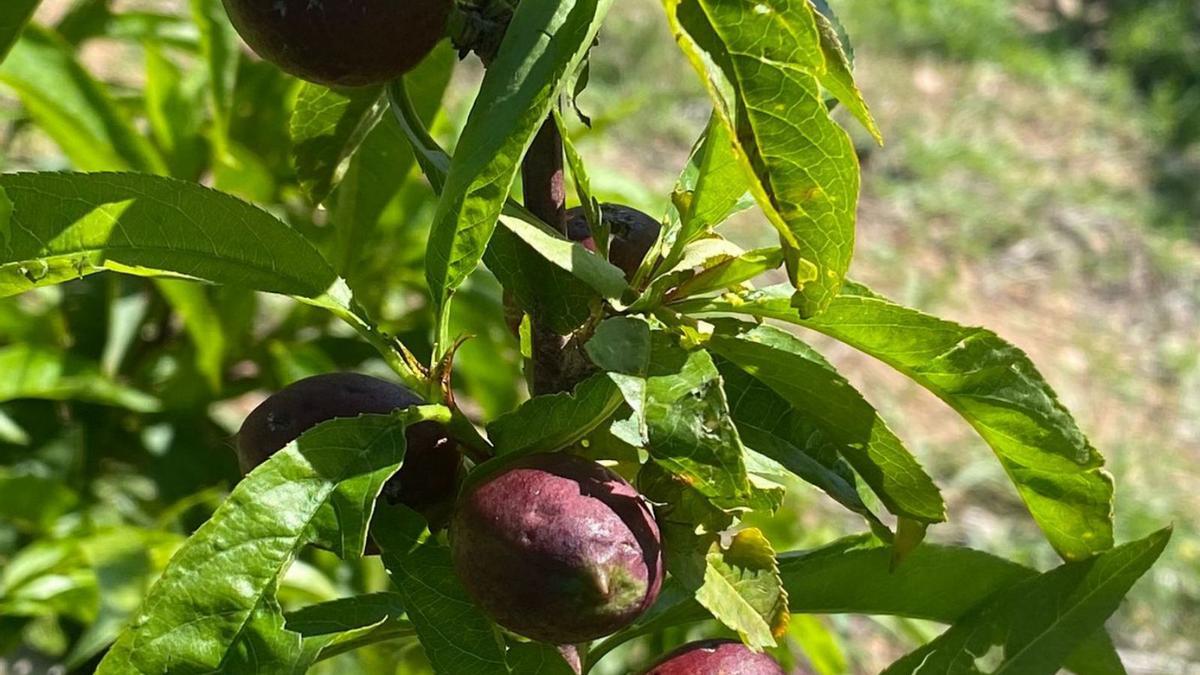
[542, 46]
[854, 575]
[826, 403]
[65, 226]
[761, 63]
[770, 425]
[1034, 626]
[231, 619]
[991, 383]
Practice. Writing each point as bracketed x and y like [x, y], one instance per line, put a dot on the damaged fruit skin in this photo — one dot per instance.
[557, 548]
[427, 479]
[715, 657]
[346, 43]
[631, 234]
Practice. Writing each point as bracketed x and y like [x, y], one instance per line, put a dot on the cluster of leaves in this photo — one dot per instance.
[699, 394]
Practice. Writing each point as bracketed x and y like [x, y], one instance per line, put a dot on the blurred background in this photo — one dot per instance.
[1041, 177]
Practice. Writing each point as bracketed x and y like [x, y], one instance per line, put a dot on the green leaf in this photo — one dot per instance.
[37, 372]
[536, 658]
[327, 127]
[545, 423]
[761, 63]
[689, 430]
[743, 590]
[214, 606]
[730, 273]
[73, 108]
[707, 264]
[826, 401]
[345, 614]
[219, 47]
[1034, 626]
[542, 46]
[768, 424]
[458, 639]
[854, 576]
[603, 278]
[13, 17]
[988, 381]
[838, 78]
[710, 189]
[66, 226]
[539, 287]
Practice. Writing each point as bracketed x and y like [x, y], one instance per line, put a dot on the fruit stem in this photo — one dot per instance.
[546, 197]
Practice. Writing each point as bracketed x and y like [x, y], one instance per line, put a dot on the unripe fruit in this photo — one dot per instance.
[715, 657]
[426, 480]
[347, 43]
[557, 548]
[632, 234]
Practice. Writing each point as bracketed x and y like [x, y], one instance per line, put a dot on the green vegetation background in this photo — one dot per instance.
[1041, 177]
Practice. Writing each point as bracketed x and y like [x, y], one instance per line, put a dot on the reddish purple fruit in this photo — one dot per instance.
[632, 234]
[348, 43]
[426, 481]
[715, 657]
[557, 548]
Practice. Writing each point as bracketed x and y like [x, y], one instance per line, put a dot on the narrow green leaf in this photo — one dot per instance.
[219, 48]
[37, 372]
[838, 78]
[66, 226]
[771, 426]
[543, 45]
[541, 288]
[602, 277]
[730, 273]
[988, 381]
[327, 127]
[73, 108]
[854, 576]
[1034, 626]
[711, 187]
[458, 639]
[761, 63]
[345, 614]
[13, 17]
[824, 399]
[214, 606]
[555, 421]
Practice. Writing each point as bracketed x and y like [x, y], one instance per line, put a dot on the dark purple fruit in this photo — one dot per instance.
[632, 234]
[426, 480]
[715, 657]
[348, 43]
[557, 548]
